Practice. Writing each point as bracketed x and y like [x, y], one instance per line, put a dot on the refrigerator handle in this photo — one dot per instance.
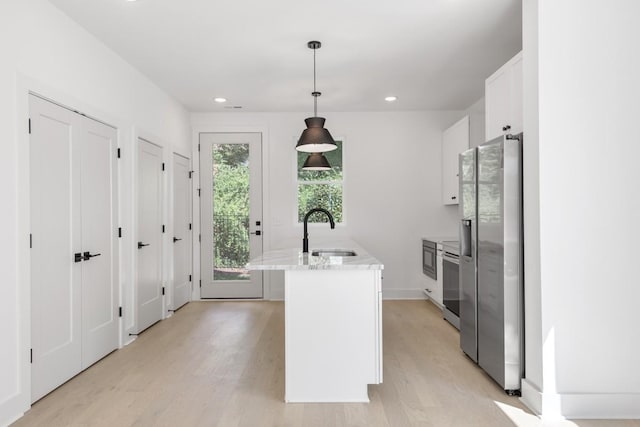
[465, 238]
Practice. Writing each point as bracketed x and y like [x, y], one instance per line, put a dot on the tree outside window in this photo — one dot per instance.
[321, 189]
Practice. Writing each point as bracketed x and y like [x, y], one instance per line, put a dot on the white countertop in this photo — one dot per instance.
[441, 239]
[294, 259]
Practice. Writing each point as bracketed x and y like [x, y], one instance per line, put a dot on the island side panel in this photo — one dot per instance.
[332, 335]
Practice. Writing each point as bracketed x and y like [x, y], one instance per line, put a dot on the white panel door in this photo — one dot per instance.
[74, 258]
[149, 267]
[55, 229]
[181, 231]
[99, 241]
[231, 214]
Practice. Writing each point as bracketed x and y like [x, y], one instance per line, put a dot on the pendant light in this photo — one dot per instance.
[316, 162]
[315, 138]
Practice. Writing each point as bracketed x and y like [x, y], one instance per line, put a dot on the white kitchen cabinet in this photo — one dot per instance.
[503, 100]
[455, 140]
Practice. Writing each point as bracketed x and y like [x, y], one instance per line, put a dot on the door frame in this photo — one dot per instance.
[230, 289]
[208, 126]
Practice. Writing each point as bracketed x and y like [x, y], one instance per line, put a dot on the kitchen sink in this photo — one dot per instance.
[333, 252]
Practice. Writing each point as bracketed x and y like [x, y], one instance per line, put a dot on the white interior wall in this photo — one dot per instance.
[392, 185]
[44, 51]
[587, 76]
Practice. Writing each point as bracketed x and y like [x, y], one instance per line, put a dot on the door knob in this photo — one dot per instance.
[140, 244]
[87, 256]
[175, 239]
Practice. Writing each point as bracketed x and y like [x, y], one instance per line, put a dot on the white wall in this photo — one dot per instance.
[392, 185]
[44, 51]
[588, 146]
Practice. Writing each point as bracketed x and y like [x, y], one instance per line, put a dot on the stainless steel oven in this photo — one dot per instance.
[451, 285]
[429, 261]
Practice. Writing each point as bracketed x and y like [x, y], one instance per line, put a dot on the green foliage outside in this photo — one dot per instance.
[230, 177]
[230, 206]
[321, 189]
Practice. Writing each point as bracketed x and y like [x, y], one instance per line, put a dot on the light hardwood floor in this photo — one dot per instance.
[222, 364]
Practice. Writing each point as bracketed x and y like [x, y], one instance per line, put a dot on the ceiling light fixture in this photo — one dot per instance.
[391, 98]
[220, 100]
[316, 162]
[315, 138]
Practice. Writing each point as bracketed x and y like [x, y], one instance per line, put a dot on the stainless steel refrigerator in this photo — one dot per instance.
[491, 259]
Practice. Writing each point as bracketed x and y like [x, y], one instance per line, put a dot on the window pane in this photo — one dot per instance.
[327, 196]
[230, 211]
[335, 160]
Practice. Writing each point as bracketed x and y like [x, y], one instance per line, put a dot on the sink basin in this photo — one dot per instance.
[333, 252]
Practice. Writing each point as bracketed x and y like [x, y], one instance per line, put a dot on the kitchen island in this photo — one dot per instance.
[333, 322]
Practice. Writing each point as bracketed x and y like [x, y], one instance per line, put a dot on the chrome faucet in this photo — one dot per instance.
[305, 237]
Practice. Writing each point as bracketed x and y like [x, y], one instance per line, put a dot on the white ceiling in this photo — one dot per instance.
[431, 54]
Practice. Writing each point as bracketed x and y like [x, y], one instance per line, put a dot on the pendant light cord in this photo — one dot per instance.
[315, 96]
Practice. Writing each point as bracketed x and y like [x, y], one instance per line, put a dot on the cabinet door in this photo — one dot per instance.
[503, 99]
[454, 141]
[497, 88]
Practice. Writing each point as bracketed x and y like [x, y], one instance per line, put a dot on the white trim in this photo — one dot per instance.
[402, 294]
[600, 405]
[531, 396]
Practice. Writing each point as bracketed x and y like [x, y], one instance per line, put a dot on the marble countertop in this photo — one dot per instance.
[294, 259]
[441, 239]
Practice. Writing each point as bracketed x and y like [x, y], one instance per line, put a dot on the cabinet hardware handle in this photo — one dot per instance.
[428, 290]
[140, 244]
[257, 232]
[175, 239]
[453, 197]
[506, 128]
[77, 257]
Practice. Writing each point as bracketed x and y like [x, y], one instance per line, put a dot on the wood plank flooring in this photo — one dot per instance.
[222, 364]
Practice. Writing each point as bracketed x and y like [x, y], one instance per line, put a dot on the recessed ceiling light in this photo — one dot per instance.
[390, 98]
[220, 100]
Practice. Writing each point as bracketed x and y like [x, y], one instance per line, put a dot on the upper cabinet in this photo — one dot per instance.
[455, 140]
[503, 99]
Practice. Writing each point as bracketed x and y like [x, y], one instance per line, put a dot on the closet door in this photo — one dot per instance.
[181, 231]
[74, 256]
[99, 241]
[55, 157]
[149, 269]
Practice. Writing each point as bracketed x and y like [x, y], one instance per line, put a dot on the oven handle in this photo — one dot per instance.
[453, 259]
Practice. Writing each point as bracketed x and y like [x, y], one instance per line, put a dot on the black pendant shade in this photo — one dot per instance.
[315, 138]
[316, 162]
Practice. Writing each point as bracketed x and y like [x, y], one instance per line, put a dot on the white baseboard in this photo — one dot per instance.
[600, 405]
[554, 406]
[391, 294]
[531, 396]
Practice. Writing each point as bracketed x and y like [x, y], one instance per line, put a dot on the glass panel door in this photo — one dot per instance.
[231, 214]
